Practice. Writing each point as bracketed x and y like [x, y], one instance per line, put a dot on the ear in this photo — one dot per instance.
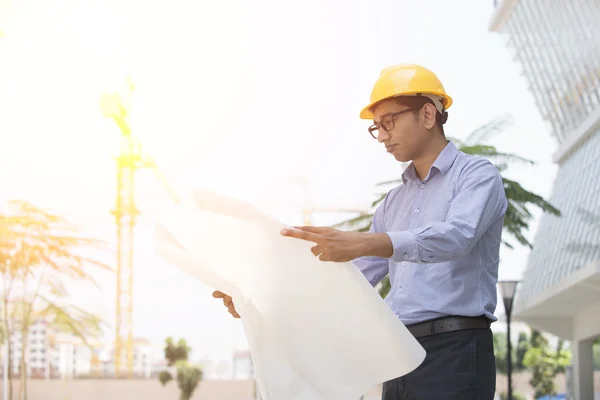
[429, 114]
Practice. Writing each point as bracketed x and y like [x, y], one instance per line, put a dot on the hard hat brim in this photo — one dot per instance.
[366, 112]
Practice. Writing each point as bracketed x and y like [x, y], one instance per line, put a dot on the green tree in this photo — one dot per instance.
[188, 378]
[518, 353]
[518, 215]
[165, 377]
[500, 352]
[188, 374]
[38, 252]
[515, 396]
[176, 352]
[545, 363]
[522, 346]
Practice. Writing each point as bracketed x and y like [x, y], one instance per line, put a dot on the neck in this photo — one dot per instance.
[424, 162]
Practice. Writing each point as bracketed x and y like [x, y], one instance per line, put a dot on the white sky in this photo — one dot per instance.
[238, 96]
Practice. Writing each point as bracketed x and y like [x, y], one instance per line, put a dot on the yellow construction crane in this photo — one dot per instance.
[130, 159]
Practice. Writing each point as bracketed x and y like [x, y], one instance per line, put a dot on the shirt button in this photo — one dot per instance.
[399, 289]
[404, 263]
[397, 315]
[417, 210]
[406, 256]
[422, 185]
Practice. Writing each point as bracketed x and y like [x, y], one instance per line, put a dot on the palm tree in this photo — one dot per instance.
[38, 251]
[518, 216]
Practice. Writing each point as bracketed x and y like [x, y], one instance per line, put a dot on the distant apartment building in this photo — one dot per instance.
[71, 357]
[557, 44]
[144, 359]
[52, 354]
[243, 368]
[226, 365]
[48, 353]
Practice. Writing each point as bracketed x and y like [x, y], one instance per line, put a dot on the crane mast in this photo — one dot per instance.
[125, 214]
[129, 161]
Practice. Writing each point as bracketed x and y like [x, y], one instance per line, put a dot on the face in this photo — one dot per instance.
[408, 135]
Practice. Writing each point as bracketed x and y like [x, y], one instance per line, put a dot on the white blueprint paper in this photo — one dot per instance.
[316, 330]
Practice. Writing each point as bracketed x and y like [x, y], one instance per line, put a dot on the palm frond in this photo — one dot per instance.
[457, 142]
[501, 167]
[516, 192]
[507, 244]
[515, 223]
[378, 200]
[35, 241]
[492, 154]
[362, 223]
[483, 133]
[74, 320]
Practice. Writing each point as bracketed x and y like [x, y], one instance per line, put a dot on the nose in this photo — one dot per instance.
[383, 135]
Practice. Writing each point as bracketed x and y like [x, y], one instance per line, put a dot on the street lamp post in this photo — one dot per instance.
[508, 290]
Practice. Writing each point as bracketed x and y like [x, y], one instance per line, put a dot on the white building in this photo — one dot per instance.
[72, 358]
[37, 356]
[52, 354]
[49, 353]
[144, 359]
[243, 368]
[557, 44]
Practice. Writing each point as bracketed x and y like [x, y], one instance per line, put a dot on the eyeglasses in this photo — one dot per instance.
[387, 122]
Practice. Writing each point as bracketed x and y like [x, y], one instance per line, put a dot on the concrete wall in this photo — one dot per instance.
[140, 389]
[207, 390]
[521, 384]
[132, 389]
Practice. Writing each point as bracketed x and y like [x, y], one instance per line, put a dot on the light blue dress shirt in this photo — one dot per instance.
[446, 232]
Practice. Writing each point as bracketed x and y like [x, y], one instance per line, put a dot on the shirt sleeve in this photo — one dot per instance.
[480, 201]
[374, 269]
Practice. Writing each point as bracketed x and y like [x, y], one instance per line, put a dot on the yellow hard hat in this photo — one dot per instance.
[407, 80]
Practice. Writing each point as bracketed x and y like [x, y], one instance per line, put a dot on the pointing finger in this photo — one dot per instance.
[299, 234]
[314, 229]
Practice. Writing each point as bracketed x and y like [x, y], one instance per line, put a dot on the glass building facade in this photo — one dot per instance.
[557, 45]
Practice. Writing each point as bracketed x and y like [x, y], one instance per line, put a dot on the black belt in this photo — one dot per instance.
[448, 324]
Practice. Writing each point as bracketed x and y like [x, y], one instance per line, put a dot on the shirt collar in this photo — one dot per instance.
[442, 163]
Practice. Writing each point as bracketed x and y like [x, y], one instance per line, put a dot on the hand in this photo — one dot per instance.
[339, 246]
[227, 301]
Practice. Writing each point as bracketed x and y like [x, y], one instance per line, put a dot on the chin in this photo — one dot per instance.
[401, 158]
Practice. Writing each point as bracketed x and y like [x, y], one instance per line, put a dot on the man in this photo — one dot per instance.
[438, 237]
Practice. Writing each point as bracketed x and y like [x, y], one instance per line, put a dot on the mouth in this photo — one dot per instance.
[390, 147]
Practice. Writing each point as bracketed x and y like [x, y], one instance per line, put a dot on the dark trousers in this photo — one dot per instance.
[459, 365]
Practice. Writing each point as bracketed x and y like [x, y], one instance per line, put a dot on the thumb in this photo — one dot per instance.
[217, 294]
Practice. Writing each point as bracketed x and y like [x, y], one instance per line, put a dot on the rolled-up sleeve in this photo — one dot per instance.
[479, 202]
[374, 269]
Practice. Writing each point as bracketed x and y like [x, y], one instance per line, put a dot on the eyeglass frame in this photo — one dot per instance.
[392, 117]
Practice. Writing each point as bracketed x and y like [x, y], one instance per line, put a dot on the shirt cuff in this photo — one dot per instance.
[405, 246]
